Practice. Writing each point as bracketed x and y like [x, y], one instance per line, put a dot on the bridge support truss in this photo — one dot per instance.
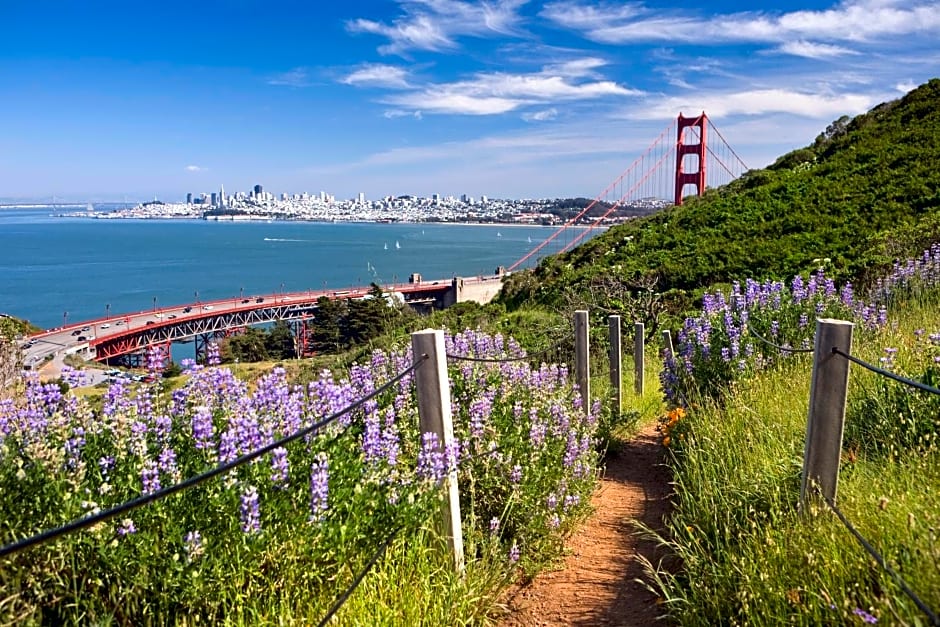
[683, 148]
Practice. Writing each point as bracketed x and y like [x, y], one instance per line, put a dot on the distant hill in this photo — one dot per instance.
[865, 192]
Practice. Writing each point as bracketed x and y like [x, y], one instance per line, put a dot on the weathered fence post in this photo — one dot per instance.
[616, 358]
[434, 416]
[582, 368]
[667, 345]
[639, 340]
[826, 410]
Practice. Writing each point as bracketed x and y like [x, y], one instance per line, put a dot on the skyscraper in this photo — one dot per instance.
[189, 198]
[258, 190]
[221, 195]
[215, 199]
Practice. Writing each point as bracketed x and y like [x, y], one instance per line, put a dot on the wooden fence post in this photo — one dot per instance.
[639, 341]
[616, 359]
[434, 416]
[826, 419]
[582, 367]
[667, 344]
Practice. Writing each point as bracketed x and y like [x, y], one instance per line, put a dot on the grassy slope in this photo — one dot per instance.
[861, 196]
[750, 557]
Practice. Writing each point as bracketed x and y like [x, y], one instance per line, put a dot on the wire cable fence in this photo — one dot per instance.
[145, 499]
[931, 615]
[341, 599]
[508, 360]
[786, 349]
[886, 373]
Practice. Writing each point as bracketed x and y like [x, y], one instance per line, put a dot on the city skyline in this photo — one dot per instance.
[506, 98]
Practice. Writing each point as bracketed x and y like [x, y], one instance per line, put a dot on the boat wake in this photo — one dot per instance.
[283, 239]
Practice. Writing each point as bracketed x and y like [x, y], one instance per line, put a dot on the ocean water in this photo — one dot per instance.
[54, 270]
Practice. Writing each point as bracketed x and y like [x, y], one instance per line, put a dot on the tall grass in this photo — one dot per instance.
[746, 554]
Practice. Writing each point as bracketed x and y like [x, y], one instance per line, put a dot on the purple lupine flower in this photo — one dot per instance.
[319, 488]
[126, 528]
[515, 475]
[372, 438]
[865, 616]
[554, 521]
[166, 462]
[192, 543]
[279, 466]
[106, 464]
[494, 525]
[213, 355]
[250, 512]
[514, 553]
[431, 463]
[150, 477]
[188, 366]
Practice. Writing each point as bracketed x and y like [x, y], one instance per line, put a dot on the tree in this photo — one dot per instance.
[279, 342]
[248, 346]
[326, 335]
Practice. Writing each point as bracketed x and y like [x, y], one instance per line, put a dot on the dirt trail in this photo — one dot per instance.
[597, 585]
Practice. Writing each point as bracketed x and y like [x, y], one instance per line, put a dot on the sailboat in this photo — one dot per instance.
[498, 234]
[397, 245]
[386, 245]
[529, 239]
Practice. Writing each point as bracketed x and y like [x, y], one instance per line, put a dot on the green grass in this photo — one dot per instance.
[748, 556]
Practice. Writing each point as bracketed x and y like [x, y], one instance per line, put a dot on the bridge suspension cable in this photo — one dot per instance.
[572, 221]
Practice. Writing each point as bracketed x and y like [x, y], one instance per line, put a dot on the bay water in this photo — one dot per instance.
[55, 270]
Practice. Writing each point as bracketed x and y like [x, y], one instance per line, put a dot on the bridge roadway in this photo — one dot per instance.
[132, 333]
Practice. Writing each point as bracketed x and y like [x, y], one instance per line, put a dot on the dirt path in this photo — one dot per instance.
[597, 585]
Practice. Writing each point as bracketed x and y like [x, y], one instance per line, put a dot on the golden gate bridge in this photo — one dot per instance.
[682, 159]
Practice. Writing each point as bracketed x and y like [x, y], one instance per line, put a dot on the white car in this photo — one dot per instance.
[106, 326]
[207, 307]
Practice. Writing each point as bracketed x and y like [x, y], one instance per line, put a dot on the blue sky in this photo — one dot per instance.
[505, 98]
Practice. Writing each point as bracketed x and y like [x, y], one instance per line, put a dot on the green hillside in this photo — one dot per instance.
[866, 191]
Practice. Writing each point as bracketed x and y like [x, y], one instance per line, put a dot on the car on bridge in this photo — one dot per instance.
[187, 309]
[259, 300]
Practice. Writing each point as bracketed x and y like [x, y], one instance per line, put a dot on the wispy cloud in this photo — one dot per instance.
[812, 50]
[391, 114]
[297, 77]
[541, 116]
[195, 168]
[851, 20]
[756, 102]
[437, 24]
[378, 75]
[491, 93]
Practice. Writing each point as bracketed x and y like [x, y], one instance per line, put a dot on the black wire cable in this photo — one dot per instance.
[887, 373]
[492, 360]
[934, 620]
[355, 584]
[777, 346]
[145, 499]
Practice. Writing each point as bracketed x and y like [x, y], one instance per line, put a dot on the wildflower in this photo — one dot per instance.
[431, 464]
[250, 513]
[127, 528]
[319, 487]
[514, 553]
[515, 476]
[494, 525]
[192, 543]
[865, 616]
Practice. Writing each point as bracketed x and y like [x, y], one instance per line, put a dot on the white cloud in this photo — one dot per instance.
[436, 24]
[298, 77]
[378, 75]
[498, 92]
[813, 50]
[541, 116]
[757, 102]
[391, 114]
[851, 20]
[905, 86]
[195, 168]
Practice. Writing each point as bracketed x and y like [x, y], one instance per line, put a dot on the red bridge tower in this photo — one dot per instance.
[696, 178]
